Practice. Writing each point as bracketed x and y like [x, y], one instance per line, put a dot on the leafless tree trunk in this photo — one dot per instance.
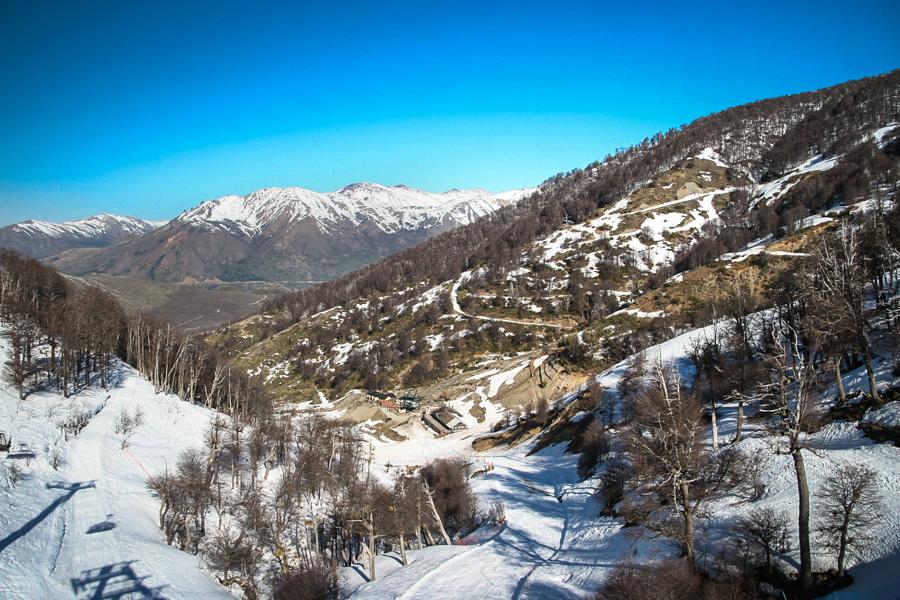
[435, 515]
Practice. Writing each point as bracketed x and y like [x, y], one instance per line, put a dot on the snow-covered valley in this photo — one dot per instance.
[557, 545]
[674, 367]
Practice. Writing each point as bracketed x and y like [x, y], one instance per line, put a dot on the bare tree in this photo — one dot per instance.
[667, 444]
[851, 504]
[20, 332]
[315, 578]
[669, 580]
[836, 286]
[790, 398]
[765, 529]
[594, 449]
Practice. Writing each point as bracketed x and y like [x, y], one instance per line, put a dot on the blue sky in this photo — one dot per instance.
[147, 108]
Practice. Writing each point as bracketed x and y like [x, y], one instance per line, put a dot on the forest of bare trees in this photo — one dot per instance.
[325, 509]
[66, 335]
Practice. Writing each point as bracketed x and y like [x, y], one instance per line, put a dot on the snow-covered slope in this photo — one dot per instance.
[89, 529]
[389, 208]
[557, 546]
[43, 238]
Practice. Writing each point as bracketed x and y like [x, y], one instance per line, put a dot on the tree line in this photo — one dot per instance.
[65, 335]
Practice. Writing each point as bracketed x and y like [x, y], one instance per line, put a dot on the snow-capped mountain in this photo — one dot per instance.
[291, 235]
[41, 239]
[389, 208]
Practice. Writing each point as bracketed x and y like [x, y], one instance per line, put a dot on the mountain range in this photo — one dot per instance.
[42, 239]
[290, 235]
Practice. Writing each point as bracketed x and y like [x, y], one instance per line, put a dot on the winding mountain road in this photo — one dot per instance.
[454, 303]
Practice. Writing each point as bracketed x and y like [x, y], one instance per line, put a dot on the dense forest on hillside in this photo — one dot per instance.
[763, 139]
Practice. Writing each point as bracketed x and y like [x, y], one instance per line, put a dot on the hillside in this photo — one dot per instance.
[666, 371]
[557, 544]
[289, 235]
[595, 266]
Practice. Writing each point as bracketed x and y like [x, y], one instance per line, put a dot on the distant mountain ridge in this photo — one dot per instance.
[288, 234]
[41, 239]
[389, 208]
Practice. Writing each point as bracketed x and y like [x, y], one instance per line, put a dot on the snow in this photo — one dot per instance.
[557, 242]
[811, 221]
[554, 545]
[97, 226]
[480, 376]
[426, 299]
[660, 223]
[390, 208]
[879, 134]
[341, 352]
[90, 529]
[711, 155]
[777, 187]
[888, 416]
[743, 255]
[434, 341]
[655, 314]
[516, 273]
[495, 382]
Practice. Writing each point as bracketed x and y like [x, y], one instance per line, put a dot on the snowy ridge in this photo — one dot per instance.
[390, 208]
[96, 226]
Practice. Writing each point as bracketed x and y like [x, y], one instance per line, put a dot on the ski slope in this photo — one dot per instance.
[89, 530]
[554, 545]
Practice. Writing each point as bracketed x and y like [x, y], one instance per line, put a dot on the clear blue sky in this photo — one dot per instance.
[147, 108]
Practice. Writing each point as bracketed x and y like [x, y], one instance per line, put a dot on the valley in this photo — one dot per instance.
[661, 375]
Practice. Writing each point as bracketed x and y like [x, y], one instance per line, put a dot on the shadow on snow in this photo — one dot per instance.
[116, 581]
[71, 490]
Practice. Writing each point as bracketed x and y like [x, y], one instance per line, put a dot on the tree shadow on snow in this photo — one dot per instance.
[361, 572]
[70, 488]
[116, 581]
[547, 591]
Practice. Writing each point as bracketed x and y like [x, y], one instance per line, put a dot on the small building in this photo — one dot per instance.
[448, 419]
[389, 403]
